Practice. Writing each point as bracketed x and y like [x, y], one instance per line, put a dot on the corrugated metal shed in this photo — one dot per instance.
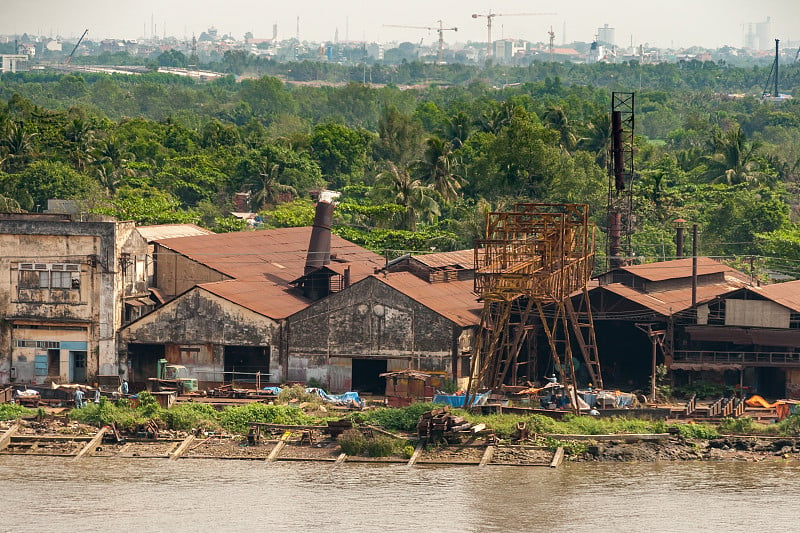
[278, 255]
[459, 259]
[455, 300]
[171, 231]
[786, 294]
[678, 268]
[263, 297]
[670, 302]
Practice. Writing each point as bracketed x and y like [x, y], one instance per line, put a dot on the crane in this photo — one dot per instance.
[489, 16]
[69, 57]
[441, 29]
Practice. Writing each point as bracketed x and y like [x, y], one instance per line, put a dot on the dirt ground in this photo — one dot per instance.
[751, 449]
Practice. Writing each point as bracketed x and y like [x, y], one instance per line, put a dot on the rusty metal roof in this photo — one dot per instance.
[677, 268]
[277, 255]
[171, 231]
[454, 300]
[263, 297]
[459, 259]
[786, 294]
[672, 301]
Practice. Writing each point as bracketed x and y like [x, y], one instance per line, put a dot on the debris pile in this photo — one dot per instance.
[441, 425]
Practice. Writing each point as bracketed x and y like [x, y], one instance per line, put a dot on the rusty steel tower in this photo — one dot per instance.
[533, 260]
[620, 179]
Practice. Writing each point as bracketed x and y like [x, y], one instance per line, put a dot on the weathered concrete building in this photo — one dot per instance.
[384, 322]
[227, 297]
[64, 292]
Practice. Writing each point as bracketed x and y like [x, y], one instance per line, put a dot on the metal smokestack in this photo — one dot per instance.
[618, 160]
[319, 246]
[614, 222]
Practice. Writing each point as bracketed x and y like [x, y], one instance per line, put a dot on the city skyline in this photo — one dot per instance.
[680, 23]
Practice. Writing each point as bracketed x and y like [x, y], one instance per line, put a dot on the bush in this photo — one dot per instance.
[741, 426]
[381, 446]
[106, 413]
[408, 451]
[352, 442]
[237, 419]
[298, 393]
[12, 411]
[192, 415]
[789, 426]
[697, 431]
[401, 419]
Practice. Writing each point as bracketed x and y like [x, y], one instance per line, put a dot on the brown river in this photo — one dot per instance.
[50, 494]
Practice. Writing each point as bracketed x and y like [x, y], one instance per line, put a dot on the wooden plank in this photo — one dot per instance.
[487, 456]
[558, 457]
[6, 438]
[276, 451]
[417, 452]
[92, 445]
[384, 432]
[340, 459]
[182, 448]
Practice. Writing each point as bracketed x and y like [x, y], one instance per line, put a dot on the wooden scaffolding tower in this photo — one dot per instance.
[533, 260]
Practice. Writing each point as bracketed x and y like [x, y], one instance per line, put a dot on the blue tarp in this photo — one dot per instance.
[457, 400]
[347, 398]
[272, 390]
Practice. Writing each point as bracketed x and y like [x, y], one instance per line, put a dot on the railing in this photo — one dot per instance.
[691, 405]
[728, 407]
[740, 407]
[737, 358]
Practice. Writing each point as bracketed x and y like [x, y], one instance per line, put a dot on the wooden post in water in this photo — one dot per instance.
[182, 448]
[487, 456]
[6, 438]
[417, 452]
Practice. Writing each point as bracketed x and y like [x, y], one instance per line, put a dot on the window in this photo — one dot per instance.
[49, 276]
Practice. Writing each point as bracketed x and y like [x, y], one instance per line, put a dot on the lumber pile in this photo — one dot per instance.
[440, 425]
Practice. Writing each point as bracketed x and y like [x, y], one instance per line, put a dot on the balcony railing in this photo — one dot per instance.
[737, 358]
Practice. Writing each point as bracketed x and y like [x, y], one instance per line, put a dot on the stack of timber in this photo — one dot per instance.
[440, 425]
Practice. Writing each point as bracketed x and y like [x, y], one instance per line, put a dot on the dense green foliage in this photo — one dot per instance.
[418, 168]
[400, 418]
[11, 411]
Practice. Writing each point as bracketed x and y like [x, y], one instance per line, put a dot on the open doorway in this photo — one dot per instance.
[242, 362]
[366, 375]
[143, 361]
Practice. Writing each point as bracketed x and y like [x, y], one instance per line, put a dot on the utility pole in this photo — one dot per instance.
[656, 339]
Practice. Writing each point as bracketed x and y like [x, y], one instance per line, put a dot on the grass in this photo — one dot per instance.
[12, 411]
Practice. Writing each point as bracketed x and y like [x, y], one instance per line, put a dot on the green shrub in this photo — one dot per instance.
[352, 442]
[401, 419]
[697, 431]
[12, 411]
[741, 426]
[298, 393]
[106, 413]
[789, 426]
[703, 389]
[381, 446]
[191, 415]
[237, 419]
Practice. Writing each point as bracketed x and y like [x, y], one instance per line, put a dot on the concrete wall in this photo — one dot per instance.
[95, 305]
[197, 326]
[175, 273]
[367, 320]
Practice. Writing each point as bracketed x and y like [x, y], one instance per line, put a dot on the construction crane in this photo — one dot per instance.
[69, 57]
[489, 16]
[441, 29]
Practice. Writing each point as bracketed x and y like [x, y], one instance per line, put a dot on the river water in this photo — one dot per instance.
[97, 494]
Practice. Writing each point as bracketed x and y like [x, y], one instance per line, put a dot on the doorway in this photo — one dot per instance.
[143, 361]
[366, 375]
[77, 366]
[242, 362]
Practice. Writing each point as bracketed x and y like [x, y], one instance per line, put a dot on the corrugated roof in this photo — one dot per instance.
[263, 297]
[678, 268]
[278, 255]
[459, 259]
[786, 294]
[454, 300]
[171, 231]
[673, 301]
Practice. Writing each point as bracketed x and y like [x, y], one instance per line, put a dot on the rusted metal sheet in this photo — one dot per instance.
[459, 259]
[171, 231]
[786, 294]
[340, 374]
[455, 301]
[678, 268]
[278, 253]
[670, 301]
[789, 338]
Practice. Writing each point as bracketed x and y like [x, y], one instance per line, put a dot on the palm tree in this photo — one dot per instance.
[555, 118]
[598, 139]
[111, 161]
[457, 128]
[396, 185]
[80, 135]
[265, 189]
[734, 160]
[438, 166]
[16, 147]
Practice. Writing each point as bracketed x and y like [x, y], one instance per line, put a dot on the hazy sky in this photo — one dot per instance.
[666, 23]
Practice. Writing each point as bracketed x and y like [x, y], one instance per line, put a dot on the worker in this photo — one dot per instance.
[552, 379]
[97, 395]
[79, 398]
[124, 387]
[593, 411]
